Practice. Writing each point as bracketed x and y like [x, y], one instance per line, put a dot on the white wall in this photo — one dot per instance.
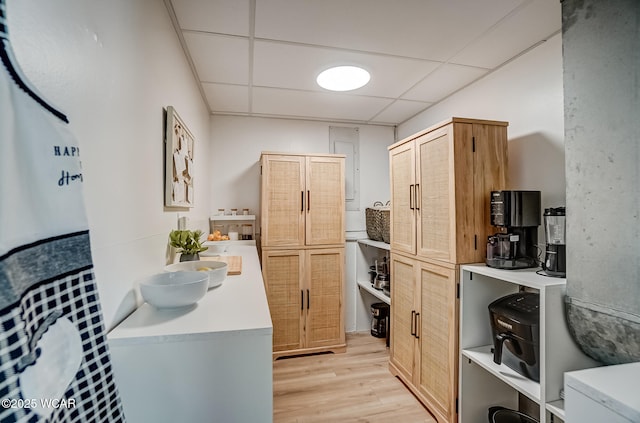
[527, 93]
[237, 142]
[112, 67]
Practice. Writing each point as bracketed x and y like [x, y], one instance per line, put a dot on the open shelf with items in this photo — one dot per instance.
[241, 221]
[370, 251]
[367, 252]
[366, 285]
[483, 383]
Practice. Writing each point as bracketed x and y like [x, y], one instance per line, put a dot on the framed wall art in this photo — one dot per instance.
[179, 156]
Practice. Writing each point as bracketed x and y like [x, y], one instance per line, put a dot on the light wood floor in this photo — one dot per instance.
[355, 386]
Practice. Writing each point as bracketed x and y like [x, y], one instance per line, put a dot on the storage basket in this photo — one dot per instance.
[378, 221]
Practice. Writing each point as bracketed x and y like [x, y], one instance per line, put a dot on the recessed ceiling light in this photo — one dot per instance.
[343, 78]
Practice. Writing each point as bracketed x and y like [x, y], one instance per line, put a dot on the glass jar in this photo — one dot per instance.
[245, 212]
[234, 212]
[220, 212]
[233, 232]
[247, 231]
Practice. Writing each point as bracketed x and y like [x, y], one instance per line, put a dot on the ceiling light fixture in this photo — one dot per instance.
[343, 78]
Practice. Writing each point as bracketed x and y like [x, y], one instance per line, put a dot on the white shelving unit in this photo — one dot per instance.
[482, 383]
[238, 219]
[367, 252]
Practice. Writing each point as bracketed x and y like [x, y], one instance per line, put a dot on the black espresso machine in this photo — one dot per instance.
[515, 325]
[517, 215]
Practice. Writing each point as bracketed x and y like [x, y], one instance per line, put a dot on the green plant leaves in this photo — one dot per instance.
[188, 242]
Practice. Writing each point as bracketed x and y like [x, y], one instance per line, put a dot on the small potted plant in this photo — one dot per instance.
[188, 243]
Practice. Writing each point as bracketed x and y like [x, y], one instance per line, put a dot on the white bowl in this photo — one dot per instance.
[215, 248]
[175, 289]
[216, 270]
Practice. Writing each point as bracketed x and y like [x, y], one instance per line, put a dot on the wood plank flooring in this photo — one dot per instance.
[355, 386]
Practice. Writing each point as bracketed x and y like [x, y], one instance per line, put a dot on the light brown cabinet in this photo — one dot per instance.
[305, 294]
[424, 323]
[302, 242]
[302, 200]
[441, 180]
[440, 184]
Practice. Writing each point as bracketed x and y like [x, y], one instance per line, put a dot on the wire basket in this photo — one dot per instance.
[377, 220]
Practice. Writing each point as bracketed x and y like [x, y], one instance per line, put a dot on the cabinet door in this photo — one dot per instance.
[403, 218]
[324, 293]
[438, 325]
[436, 218]
[281, 271]
[324, 206]
[283, 195]
[403, 319]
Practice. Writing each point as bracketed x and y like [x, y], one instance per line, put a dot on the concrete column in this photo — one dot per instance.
[601, 56]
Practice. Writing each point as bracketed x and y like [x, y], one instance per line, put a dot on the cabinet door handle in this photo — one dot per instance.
[417, 334]
[417, 197]
[308, 200]
[301, 201]
[301, 299]
[413, 322]
[308, 300]
[411, 196]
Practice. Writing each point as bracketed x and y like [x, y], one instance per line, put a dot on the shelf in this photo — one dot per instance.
[483, 357]
[230, 217]
[556, 408]
[376, 244]
[375, 292]
[525, 277]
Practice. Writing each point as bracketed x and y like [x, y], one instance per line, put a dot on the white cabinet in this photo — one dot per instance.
[482, 383]
[200, 363]
[604, 394]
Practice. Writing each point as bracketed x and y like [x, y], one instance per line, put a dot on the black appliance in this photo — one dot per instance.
[505, 415]
[515, 324]
[555, 257]
[517, 215]
[379, 313]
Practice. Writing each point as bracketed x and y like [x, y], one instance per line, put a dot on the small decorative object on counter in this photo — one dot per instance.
[245, 212]
[233, 232]
[220, 212]
[188, 243]
[247, 231]
[234, 212]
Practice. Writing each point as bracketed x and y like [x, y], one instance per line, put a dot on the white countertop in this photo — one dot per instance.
[238, 305]
[616, 387]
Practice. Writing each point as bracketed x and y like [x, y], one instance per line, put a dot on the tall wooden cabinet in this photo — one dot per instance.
[302, 241]
[441, 179]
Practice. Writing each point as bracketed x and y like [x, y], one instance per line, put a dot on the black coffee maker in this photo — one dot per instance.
[517, 215]
[555, 257]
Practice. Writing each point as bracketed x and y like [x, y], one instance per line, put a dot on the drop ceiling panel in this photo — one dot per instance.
[297, 66]
[444, 81]
[217, 16]
[316, 105]
[219, 58]
[400, 111]
[427, 29]
[261, 57]
[224, 98]
[500, 44]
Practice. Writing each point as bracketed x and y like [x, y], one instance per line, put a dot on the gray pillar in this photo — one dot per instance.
[601, 56]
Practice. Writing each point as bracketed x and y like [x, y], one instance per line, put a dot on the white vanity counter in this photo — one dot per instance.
[209, 362]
